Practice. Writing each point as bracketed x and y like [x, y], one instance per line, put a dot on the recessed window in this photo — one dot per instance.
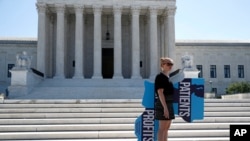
[227, 71]
[199, 67]
[213, 71]
[10, 66]
[241, 71]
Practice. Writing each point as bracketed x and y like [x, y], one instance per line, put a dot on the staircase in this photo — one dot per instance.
[109, 120]
[86, 89]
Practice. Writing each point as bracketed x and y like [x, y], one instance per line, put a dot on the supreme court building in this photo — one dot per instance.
[104, 38]
[112, 46]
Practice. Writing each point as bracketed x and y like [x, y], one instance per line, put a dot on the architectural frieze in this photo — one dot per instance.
[108, 5]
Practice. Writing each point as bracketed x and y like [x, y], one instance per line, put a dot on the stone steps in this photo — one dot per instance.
[92, 83]
[177, 135]
[172, 139]
[107, 115]
[86, 89]
[45, 121]
[51, 121]
[109, 119]
[105, 127]
[60, 92]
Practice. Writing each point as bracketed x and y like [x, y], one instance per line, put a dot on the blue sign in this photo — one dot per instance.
[189, 99]
[188, 104]
[146, 126]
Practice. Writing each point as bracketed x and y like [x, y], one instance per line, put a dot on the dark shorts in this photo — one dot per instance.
[159, 111]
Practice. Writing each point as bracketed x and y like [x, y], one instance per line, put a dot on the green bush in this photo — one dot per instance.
[238, 87]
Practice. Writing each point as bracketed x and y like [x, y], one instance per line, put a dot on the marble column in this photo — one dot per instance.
[97, 42]
[170, 33]
[162, 33]
[166, 52]
[60, 55]
[50, 49]
[79, 51]
[41, 42]
[135, 43]
[117, 42]
[154, 59]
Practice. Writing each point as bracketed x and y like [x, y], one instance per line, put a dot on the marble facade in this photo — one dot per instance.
[205, 54]
[73, 42]
[122, 39]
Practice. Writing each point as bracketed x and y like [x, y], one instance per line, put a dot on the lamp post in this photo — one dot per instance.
[107, 33]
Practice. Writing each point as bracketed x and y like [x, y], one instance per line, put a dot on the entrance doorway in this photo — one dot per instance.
[107, 62]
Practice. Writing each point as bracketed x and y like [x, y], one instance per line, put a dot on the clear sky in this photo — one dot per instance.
[194, 20]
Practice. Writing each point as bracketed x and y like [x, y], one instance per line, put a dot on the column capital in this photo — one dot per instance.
[41, 7]
[135, 9]
[153, 10]
[170, 11]
[117, 9]
[79, 8]
[60, 8]
[97, 9]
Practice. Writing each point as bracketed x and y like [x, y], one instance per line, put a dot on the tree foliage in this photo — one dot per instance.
[238, 87]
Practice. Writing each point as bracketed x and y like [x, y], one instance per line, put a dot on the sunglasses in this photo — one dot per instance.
[169, 64]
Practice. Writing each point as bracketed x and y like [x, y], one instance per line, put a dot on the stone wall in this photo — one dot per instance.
[236, 96]
[8, 50]
[205, 53]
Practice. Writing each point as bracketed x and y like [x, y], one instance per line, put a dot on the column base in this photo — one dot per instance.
[78, 77]
[117, 77]
[97, 77]
[152, 77]
[136, 77]
[58, 77]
